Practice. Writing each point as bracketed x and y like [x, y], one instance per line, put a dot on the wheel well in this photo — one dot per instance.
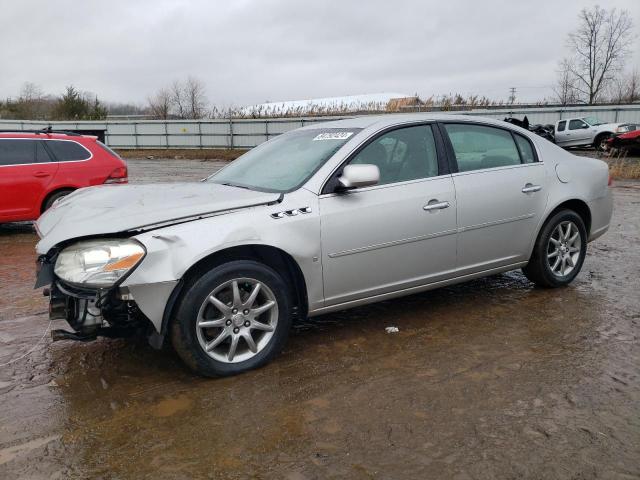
[51, 194]
[600, 135]
[273, 257]
[578, 206]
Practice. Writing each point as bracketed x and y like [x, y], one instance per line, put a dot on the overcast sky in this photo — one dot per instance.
[251, 51]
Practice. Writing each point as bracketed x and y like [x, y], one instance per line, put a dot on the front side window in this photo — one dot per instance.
[68, 151]
[404, 154]
[478, 147]
[576, 124]
[17, 152]
[286, 162]
[562, 125]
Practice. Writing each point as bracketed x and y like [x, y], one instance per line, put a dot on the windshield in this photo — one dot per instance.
[285, 162]
[593, 121]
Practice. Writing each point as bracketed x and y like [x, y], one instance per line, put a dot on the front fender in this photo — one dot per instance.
[172, 250]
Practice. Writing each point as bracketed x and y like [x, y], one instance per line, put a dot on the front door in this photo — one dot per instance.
[501, 193]
[397, 234]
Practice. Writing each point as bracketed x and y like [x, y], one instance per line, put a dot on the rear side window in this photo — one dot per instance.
[526, 149]
[561, 125]
[17, 152]
[68, 151]
[477, 147]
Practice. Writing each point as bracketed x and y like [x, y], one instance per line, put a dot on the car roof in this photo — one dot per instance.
[19, 134]
[389, 120]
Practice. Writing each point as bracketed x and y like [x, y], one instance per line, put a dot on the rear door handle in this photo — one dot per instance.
[530, 188]
[41, 174]
[435, 205]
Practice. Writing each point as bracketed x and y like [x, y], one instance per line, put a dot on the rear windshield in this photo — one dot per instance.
[285, 162]
[68, 150]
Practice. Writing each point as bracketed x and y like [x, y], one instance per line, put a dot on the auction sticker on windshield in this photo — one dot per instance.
[333, 136]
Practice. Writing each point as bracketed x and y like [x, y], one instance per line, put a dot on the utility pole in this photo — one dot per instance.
[512, 96]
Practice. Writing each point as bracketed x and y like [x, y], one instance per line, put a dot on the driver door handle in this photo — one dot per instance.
[529, 188]
[435, 205]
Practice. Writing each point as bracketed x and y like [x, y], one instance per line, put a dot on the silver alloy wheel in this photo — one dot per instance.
[237, 320]
[563, 250]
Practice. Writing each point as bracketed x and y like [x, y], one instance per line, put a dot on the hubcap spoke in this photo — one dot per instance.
[217, 341]
[236, 294]
[220, 305]
[253, 296]
[249, 339]
[211, 323]
[263, 308]
[233, 347]
[553, 254]
[261, 326]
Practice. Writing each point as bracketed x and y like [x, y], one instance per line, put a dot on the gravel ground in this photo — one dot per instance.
[489, 379]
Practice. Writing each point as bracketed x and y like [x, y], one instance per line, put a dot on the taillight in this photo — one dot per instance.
[119, 175]
[610, 182]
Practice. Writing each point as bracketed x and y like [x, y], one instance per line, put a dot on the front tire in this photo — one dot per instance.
[559, 251]
[234, 318]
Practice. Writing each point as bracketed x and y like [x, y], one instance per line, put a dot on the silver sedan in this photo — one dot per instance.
[320, 219]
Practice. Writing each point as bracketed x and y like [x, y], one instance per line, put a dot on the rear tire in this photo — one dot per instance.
[233, 318]
[559, 251]
[53, 197]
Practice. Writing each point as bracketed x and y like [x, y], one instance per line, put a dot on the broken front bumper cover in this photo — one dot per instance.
[108, 312]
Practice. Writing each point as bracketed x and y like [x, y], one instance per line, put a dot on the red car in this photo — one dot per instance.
[39, 167]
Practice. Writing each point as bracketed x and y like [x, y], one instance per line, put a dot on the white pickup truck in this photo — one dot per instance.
[585, 131]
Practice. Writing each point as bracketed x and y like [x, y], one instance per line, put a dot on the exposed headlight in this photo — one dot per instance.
[98, 263]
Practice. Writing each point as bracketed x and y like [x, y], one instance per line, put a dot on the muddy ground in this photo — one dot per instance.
[490, 379]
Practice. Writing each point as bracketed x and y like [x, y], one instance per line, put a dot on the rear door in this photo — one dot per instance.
[26, 170]
[501, 195]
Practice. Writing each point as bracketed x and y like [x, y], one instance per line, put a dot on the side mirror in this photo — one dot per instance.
[356, 176]
[584, 125]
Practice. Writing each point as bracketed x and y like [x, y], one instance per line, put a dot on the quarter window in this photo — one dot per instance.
[562, 125]
[17, 152]
[576, 124]
[526, 149]
[67, 151]
[478, 147]
[404, 154]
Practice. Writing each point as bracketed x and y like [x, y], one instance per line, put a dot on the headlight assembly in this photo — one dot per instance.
[98, 263]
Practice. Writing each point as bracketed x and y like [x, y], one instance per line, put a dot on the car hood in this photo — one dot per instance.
[609, 127]
[120, 208]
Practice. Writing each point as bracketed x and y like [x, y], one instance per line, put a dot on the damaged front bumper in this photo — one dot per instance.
[107, 312]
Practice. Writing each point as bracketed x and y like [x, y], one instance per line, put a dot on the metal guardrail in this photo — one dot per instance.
[247, 133]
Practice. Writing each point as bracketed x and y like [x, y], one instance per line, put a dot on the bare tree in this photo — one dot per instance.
[565, 87]
[196, 100]
[160, 104]
[632, 90]
[600, 45]
[178, 99]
